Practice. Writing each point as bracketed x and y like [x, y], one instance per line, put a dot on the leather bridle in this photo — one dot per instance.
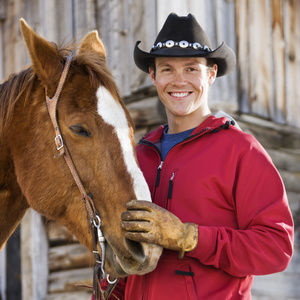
[92, 216]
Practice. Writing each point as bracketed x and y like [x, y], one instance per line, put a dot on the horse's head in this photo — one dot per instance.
[98, 132]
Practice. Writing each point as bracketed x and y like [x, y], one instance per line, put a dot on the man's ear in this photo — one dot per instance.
[152, 75]
[212, 74]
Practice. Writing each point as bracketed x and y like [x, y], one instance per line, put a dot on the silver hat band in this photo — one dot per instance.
[181, 44]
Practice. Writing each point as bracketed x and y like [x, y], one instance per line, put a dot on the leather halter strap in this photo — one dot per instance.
[52, 104]
[92, 215]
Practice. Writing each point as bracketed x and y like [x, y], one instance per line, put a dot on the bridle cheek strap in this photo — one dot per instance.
[63, 151]
[91, 212]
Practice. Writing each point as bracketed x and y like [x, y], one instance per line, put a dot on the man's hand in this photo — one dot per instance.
[147, 222]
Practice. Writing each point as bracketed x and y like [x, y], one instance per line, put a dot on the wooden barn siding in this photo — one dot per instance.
[264, 34]
[268, 44]
[292, 34]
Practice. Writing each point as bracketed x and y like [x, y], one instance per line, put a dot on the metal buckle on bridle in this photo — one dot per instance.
[101, 239]
[59, 142]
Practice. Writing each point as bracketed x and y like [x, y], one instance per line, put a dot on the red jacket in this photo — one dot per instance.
[223, 180]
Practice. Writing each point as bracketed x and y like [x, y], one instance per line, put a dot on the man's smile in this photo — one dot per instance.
[179, 94]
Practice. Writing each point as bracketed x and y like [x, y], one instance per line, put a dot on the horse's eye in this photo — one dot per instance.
[79, 130]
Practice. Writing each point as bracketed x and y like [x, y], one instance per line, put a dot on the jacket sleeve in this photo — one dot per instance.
[263, 242]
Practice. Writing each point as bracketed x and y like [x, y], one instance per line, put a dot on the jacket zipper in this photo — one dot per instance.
[157, 180]
[158, 174]
[170, 190]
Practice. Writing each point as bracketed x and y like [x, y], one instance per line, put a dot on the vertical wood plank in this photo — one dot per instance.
[34, 254]
[292, 38]
[14, 51]
[32, 16]
[64, 19]
[83, 18]
[143, 27]
[3, 273]
[13, 260]
[220, 27]
[260, 57]
[3, 10]
[278, 49]
[120, 69]
[115, 48]
[243, 64]
[48, 20]
[57, 20]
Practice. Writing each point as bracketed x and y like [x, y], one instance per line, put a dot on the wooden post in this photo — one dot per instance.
[3, 274]
[34, 254]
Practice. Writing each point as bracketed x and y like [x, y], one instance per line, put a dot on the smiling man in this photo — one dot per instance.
[219, 205]
[182, 86]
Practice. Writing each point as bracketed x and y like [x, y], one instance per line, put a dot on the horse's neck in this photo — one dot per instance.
[13, 204]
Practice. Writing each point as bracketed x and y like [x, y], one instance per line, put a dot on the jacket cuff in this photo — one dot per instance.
[206, 243]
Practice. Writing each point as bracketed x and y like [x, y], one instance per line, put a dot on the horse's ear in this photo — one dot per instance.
[42, 53]
[92, 42]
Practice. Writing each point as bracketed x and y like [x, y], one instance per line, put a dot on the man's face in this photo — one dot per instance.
[182, 84]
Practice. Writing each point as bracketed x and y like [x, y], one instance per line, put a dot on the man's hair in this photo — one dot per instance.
[152, 65]
[209, 63]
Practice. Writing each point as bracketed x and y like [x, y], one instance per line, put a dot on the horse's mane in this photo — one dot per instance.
[10, 92]
[17, 84]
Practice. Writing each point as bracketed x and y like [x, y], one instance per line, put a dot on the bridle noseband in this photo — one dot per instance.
[92, 215]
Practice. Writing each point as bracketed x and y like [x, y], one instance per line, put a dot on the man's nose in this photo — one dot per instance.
[179, 79]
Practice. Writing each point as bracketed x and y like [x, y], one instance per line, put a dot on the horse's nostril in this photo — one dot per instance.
[135, 249]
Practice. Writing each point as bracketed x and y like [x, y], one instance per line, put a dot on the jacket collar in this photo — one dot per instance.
[211, 124]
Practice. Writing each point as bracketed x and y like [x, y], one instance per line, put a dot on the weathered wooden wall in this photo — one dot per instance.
[268, 34]
[262, 93]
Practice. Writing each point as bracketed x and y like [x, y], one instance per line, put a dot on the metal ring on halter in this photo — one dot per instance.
[109, 281]
[101, 240]
[99, 221]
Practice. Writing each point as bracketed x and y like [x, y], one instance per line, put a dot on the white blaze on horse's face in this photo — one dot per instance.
[112, 113]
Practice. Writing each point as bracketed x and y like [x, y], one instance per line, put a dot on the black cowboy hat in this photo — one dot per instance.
[184, 37]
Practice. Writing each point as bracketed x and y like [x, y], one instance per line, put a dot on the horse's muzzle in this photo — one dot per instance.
[141, 258]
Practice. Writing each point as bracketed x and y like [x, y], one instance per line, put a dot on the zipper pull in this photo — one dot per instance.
[158, 174]
[170, 191]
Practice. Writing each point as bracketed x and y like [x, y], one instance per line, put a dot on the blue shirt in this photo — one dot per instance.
[169, 140]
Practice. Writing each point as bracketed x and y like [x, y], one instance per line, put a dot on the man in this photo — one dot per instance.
[219, 205]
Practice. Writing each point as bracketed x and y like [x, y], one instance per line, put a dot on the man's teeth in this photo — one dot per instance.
[180, 95]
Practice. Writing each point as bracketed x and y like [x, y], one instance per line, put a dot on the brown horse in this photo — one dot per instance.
[98, 131]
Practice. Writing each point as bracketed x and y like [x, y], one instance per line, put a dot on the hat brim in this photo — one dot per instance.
[223, 56]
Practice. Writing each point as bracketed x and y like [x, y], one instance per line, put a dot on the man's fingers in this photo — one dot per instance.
[138, 236]
[136, 215]
[135, 226]
[139, 205]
